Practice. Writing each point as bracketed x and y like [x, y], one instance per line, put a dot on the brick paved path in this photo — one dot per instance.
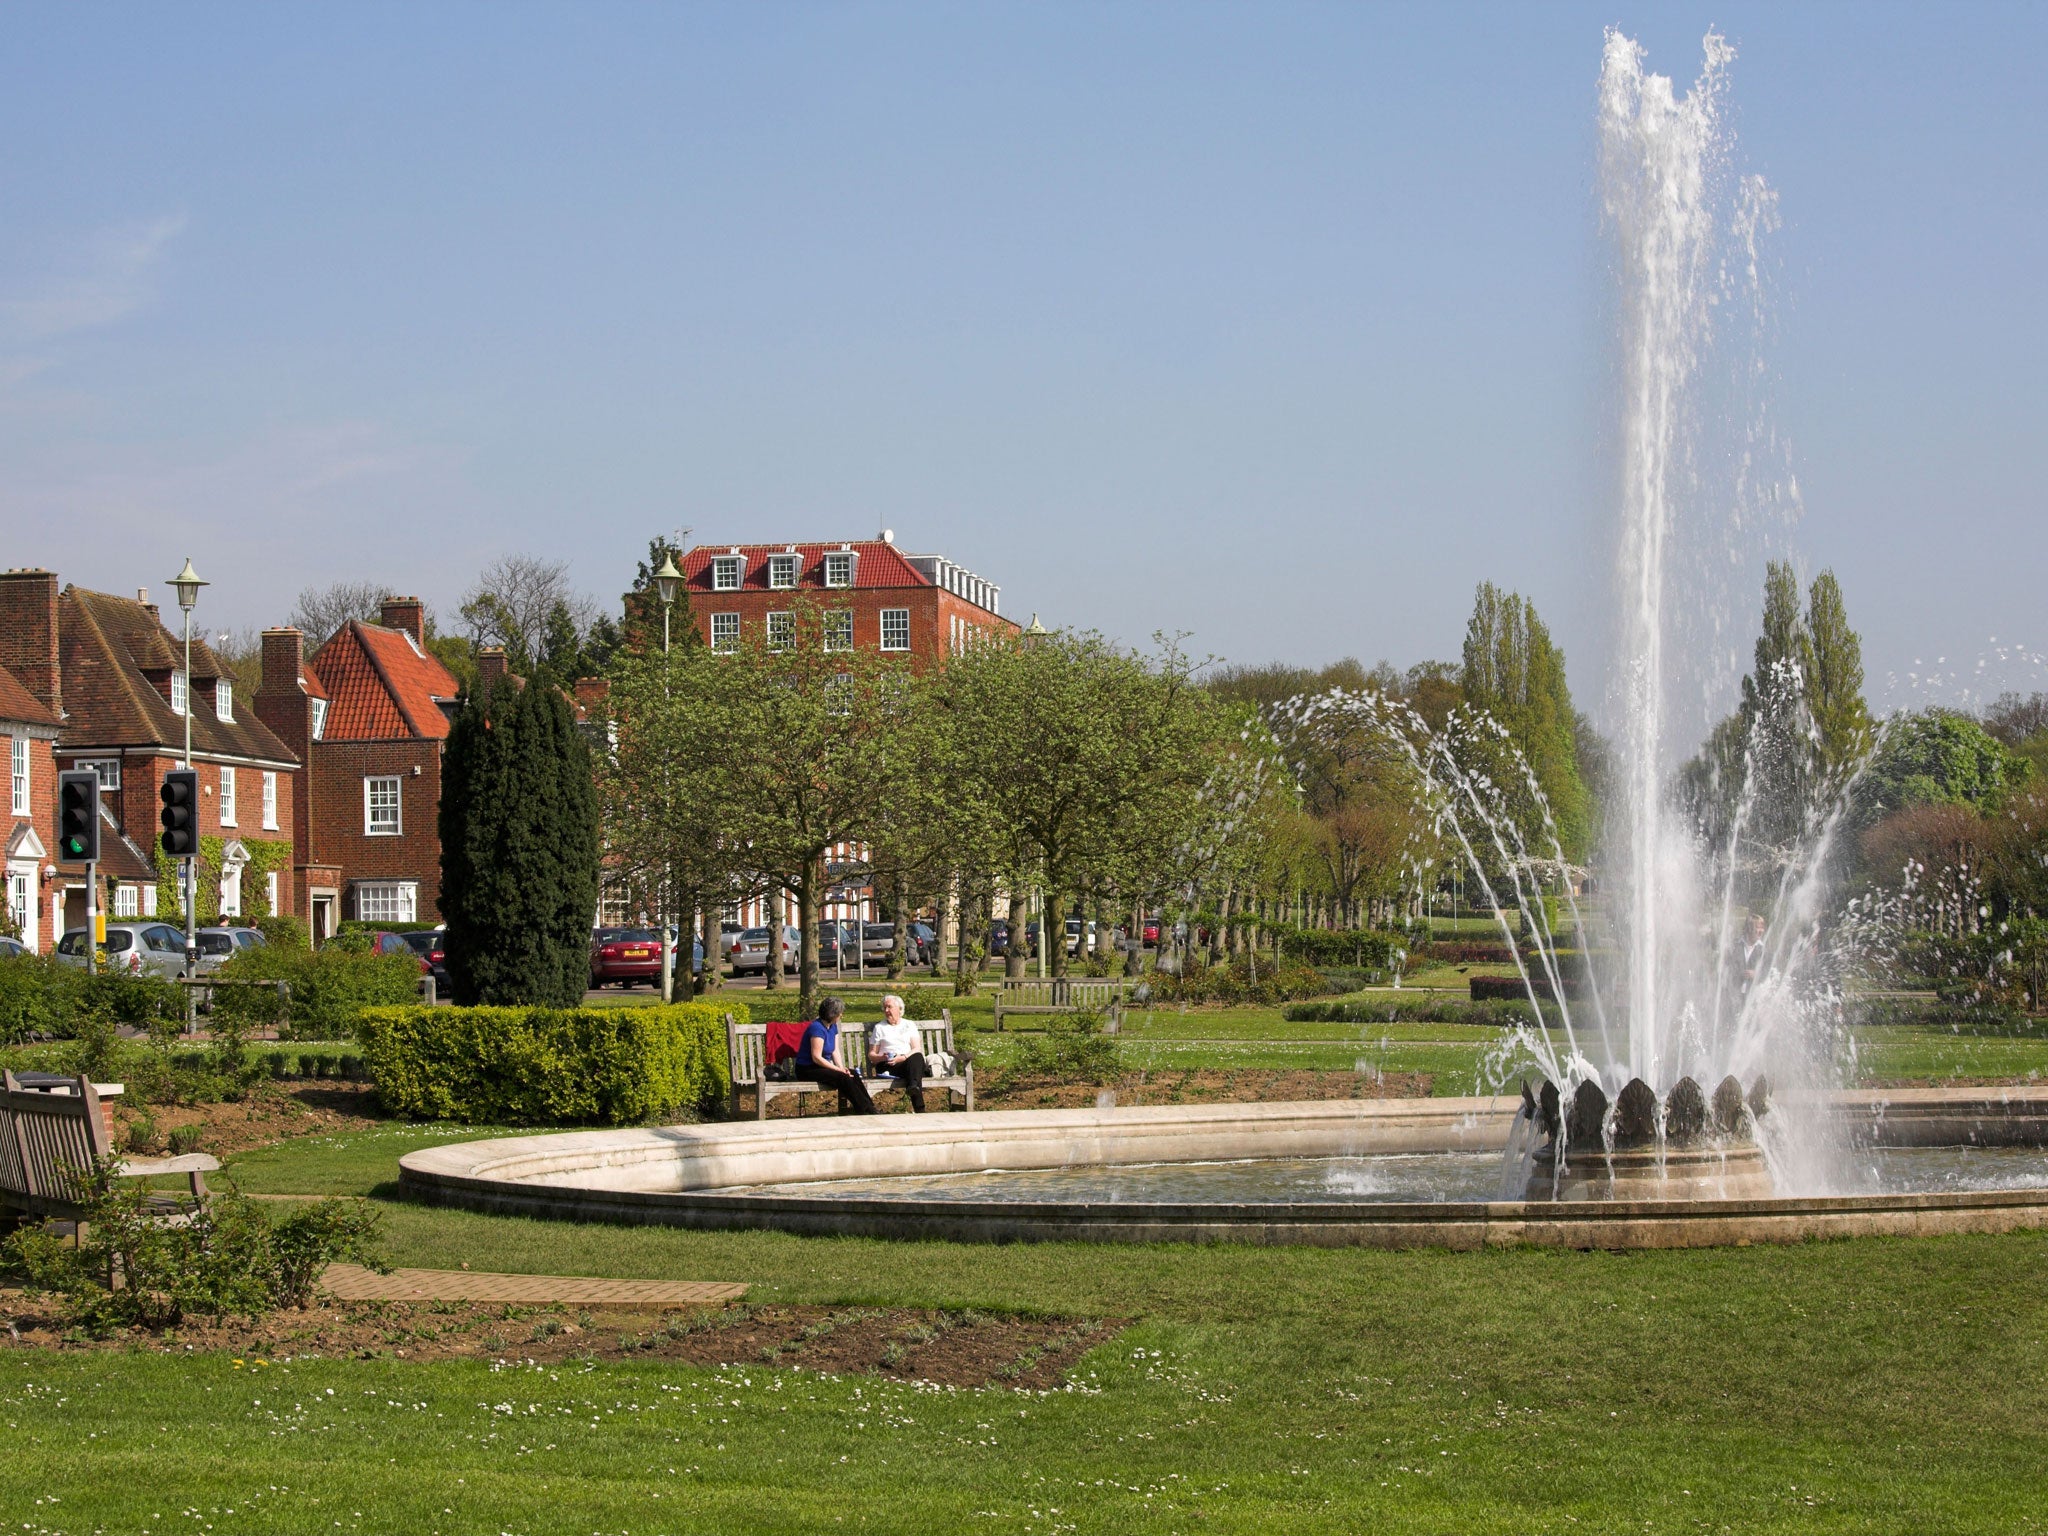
[351, 1282]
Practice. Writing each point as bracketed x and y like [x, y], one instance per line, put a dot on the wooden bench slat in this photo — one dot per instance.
[747, 1043]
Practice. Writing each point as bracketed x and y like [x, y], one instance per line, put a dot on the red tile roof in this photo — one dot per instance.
[17, 703]
[878, 565]
[380, 686]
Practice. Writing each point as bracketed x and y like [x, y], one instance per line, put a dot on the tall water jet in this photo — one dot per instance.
[1659, 159]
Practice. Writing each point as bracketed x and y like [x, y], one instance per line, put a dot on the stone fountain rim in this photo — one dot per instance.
[480, 1175]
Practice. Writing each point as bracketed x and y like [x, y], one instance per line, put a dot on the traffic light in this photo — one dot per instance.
[180, 815]
[78, 815]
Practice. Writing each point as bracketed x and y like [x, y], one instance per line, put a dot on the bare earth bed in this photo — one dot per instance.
[947, 1348]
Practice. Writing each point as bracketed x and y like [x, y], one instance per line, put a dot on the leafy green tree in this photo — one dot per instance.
[1939, 757]
[1513, 672]
[1832, 665]
[1084, 764]
[798, 747]
[519, 849]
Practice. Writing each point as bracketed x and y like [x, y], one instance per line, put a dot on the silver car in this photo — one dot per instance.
[157, 948]
[217, 946]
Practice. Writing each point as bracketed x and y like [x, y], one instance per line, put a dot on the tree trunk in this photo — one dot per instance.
[710, 979]
[1052, 929]
[1134, 956]
[1013, 946]
[807, 938]
[771, 968]
[899, 931]
[949, 916]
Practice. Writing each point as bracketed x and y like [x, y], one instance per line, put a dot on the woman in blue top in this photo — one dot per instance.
[817, 1060]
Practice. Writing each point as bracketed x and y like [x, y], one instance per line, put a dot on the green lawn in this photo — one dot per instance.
[1857, 1386]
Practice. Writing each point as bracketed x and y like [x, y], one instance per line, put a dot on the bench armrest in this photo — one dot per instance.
[148, 1167]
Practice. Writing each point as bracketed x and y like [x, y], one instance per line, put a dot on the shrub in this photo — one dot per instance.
[1365, 948]
[547, 1066]
[1467, 952]
[1242, 982]
[329, 988]
[1072, 1047]
[35, 998]
[1418, 1009]
[130, 1268]
[924, 1003]
[1494, 988]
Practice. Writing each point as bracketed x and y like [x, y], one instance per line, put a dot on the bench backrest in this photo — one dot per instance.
[48, 1138]
[745, 1044]
[1062, 992]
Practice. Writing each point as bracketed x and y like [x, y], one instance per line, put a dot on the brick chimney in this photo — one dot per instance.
[282, 705]
[28, 633]
[408, 614]
[490, 666]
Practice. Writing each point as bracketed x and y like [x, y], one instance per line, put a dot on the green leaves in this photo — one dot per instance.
[519, 850]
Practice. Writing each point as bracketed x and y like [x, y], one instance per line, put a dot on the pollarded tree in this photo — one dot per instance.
[1084, 764]
[518, 825]
[797, 745]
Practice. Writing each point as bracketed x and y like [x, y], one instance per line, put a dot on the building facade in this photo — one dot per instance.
[873, 596]
[369, 714]
[29, 728]
[116, 679]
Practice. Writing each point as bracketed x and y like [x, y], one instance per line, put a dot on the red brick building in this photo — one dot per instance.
[369, 715]
[29, 728]
[874, 596]
[115, 677]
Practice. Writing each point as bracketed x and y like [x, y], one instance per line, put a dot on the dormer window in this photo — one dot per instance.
[839, 568]
[319, 718]
[181, 692]
[727, 571]
[224, 700]
[782, 570]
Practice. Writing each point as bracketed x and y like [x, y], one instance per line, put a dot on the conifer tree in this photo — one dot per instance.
[519, 849]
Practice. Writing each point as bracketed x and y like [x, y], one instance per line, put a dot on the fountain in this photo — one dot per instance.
[1622, 1143]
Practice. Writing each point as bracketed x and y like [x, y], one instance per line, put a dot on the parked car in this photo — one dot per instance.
[749, 952]
[625, 957]
[431, 945]
[876, 941]
[222, 942]
[157, 948]
[1150, 937]
[998, 938]
[11, 948]
[927, 942]
[830, 935]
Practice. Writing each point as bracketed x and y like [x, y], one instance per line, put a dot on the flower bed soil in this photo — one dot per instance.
[272, 1112]
[956, 1349]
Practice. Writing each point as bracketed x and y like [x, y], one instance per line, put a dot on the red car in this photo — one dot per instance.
[626, 956]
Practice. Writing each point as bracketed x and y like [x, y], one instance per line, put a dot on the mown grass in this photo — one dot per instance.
[1860, 1386]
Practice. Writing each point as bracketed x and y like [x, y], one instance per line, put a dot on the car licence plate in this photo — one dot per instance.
[636, 954]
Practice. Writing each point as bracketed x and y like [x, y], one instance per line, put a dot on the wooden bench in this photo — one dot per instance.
[52, 1132]
[1063, 994]
[746, 1043]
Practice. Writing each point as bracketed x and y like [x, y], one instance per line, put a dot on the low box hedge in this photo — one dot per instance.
[1502, 988]
[548, 1066]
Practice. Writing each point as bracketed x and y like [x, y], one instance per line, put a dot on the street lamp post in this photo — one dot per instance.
[187, 584]
[665, 582]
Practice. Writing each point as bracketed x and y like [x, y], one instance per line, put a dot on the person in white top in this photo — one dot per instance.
[897, 1049]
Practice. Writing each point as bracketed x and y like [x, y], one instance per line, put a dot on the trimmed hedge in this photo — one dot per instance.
[1499, 988]
[548, 1066]
[1422, 1008]
[1365, 948]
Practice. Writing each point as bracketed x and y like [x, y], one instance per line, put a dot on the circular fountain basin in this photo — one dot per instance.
[1100, 1175]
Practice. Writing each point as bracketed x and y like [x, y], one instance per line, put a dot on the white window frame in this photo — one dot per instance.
[270, 892]
[319, 718]
[231, 891]
[839, 694]
[839, 566]
[900, 616]
[108, 768]
[725, 632]
[394, 901]
[149, 901]
[21, 903]
[781, 631]
[127, 901]
[227, 796]
[269, 800]
[839, 629]
[784, 570]
[224, 700]
[181, 691]
[728, 572]
[372, 826]
[18, 774]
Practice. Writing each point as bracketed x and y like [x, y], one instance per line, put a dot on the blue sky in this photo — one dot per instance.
[1281, 325]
